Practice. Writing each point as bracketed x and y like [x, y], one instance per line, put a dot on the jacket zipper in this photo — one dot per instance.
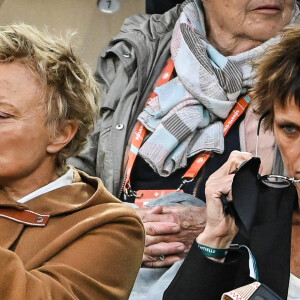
[139, 108]
[122, 187]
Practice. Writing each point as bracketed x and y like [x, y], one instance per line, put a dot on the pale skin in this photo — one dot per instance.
[233, 26]
[287, 135]
[170, 230]
[220, 228]
[28, 150]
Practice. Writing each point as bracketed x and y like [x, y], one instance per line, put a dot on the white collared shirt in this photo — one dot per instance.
[294, 288]
[61, 181]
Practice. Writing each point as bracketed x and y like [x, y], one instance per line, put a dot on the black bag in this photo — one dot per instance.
[264, 293]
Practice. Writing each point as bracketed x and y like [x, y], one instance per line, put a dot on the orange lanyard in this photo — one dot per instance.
[140, 131]
[201, 159]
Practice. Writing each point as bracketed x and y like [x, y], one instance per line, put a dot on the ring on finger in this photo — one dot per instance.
[161, 257]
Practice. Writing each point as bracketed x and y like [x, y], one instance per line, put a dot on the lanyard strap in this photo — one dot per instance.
[140, 130]
[201, 159]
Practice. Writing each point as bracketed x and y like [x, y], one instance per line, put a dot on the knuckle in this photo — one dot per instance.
[150, 251]
[144, 218]
[148, 240]
[234, 154]
[151, 240]
[150, 229]
[147, 257]
[151, 264]
[172, 217]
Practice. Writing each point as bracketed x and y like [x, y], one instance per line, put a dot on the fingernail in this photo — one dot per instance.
[181, 248]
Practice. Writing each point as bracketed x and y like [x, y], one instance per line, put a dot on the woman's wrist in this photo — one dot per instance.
[213, 247]
[213, 252]
[213, 241]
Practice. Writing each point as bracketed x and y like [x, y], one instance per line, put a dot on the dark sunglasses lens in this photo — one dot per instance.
[275, 181]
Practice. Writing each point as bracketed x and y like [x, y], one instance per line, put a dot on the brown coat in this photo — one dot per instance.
[90, 248]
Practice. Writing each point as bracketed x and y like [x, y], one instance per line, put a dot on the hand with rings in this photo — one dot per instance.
[170, 232]
[154, 259]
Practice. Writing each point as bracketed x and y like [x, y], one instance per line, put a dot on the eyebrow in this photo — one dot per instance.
[283, 121]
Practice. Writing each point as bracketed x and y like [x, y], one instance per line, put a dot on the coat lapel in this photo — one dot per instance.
[12, 228]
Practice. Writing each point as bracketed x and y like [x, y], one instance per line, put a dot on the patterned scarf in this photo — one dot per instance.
[186, 116]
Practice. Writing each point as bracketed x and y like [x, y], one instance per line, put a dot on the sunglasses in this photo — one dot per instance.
[274, 181]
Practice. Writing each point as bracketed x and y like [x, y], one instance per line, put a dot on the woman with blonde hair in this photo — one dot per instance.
[63, 235]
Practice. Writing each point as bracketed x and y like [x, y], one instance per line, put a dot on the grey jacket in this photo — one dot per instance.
[127, 70]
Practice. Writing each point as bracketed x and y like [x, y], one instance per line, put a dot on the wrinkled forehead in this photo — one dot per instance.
[19, 85]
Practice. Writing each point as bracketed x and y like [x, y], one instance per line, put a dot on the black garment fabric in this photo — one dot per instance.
[200, 278]
[160, 6]
[144, 178]
[264, 216]
[268, 236]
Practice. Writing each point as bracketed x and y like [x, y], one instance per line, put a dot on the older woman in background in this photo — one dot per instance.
[63, 235]
[197, 59]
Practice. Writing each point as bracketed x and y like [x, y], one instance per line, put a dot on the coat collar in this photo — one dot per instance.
[84, 192]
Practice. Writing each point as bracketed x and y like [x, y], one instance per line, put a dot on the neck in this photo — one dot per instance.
[17, 188]
[227, 43]
[232, 45]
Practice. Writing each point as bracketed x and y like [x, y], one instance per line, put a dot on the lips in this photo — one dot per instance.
[268, 7]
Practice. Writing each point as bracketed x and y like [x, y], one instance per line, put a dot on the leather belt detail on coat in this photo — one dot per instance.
[27, 217]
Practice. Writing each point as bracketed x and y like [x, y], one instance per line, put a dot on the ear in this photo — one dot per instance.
[62, 138]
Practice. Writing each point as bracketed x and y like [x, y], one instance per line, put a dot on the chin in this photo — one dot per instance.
[264, 33]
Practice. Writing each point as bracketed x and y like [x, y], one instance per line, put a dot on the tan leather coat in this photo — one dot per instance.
[90, 248]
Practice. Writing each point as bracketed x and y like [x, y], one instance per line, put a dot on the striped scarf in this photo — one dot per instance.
[186, 116]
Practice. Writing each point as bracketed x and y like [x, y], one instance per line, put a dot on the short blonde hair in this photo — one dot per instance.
[71, 92]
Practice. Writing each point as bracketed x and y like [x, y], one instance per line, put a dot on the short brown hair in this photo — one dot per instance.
[70, 90]
[278, 76]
